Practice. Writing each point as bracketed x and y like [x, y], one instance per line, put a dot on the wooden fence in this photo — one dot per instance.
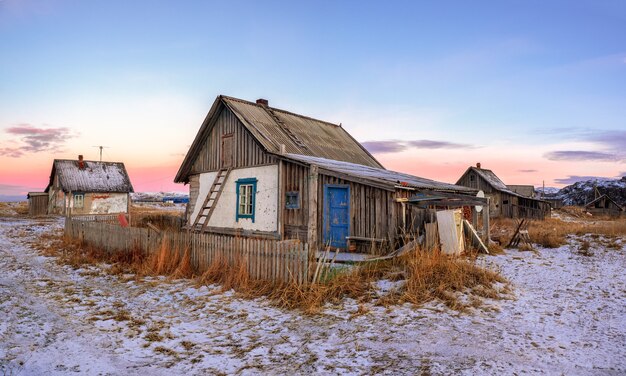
[266, 259]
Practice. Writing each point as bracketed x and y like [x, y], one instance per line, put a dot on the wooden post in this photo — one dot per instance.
[281, 199]
[486, 238]
[128, 208]
[475, 218]
[312, 209]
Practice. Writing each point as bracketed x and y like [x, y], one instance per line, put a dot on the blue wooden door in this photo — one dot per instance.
[336, 214]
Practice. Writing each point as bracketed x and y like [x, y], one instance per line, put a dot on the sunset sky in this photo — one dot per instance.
[534, 90]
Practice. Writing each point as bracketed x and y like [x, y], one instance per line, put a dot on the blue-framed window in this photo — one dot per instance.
[292, 200]
[246, 198]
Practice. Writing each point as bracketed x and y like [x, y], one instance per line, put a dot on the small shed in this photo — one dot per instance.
[604, 205]
[37, 203]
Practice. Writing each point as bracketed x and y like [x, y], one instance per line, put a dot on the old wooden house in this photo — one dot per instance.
[255, 170]
[503, 202]
[604, 206]
[88, 187]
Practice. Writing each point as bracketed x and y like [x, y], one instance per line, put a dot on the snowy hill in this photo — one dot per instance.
[582, 192]
[156, 196]
[547, 191]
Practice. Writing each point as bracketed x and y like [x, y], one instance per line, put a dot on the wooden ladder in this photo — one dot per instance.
[211, 199]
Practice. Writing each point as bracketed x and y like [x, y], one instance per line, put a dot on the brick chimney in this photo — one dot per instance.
[81, 163]
[263, 102]
[478, 165]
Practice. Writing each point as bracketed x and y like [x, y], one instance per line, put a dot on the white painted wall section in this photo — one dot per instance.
[266, 204]
[109, 203]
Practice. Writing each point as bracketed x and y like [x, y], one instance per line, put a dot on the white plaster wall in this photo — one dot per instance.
[109, 203]
[101, 203]
[266, 207]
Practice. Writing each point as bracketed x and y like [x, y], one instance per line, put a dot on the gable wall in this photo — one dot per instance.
[247, 151]
[478, 183]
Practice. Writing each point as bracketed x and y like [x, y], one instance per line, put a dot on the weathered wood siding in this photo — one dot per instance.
[246, 150]
[412, 225]
[473, 180]
[604, 207]
[295, 178]
[38, 205]
[373, 211]
[263, 259]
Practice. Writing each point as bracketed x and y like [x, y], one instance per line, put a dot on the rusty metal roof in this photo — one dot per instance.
[94, 177]
[300, 134]
[379, 176]
[273, 127]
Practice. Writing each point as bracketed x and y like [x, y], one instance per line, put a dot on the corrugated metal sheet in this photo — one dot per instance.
[491, 178]
[300, 134]
[95, 177]
[379, 175]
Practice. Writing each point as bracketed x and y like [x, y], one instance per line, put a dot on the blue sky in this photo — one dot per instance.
[517, 85]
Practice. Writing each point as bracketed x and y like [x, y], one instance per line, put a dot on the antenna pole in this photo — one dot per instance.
[100, 147]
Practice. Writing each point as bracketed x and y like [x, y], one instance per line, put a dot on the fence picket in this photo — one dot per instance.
[265, 259]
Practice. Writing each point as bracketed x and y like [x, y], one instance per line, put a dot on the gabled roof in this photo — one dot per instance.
[94, 177]
[378, 176]
[494, 181]
[608, 198]
[273, 127]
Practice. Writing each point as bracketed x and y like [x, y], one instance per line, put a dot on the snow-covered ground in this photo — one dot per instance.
[568, 316]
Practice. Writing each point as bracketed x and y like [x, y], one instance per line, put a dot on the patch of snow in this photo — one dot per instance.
[567, 316]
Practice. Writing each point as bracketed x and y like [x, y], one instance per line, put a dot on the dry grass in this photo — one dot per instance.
[168, 261]
[428, 276]
[13, 209]
[553, 232]
[432, 275]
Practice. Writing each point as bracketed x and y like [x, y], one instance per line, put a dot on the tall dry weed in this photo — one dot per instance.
[433, 275]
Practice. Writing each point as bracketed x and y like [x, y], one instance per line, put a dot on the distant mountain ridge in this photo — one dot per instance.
[582, 192]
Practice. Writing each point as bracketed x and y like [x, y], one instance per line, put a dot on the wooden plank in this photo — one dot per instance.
[312, 232]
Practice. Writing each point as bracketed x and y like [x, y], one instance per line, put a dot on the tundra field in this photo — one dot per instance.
[559, 310]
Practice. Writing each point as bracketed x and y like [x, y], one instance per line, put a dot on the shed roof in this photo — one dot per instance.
[273, 127]
[33, 194]
[94, 177]
[378, 176]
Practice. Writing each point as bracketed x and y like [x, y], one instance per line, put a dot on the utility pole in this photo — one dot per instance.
[100, 147]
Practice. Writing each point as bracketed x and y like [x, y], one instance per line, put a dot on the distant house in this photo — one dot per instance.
[88, 187]
[503, 202]
[259, 171]
[524, 190]
[604, 205]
